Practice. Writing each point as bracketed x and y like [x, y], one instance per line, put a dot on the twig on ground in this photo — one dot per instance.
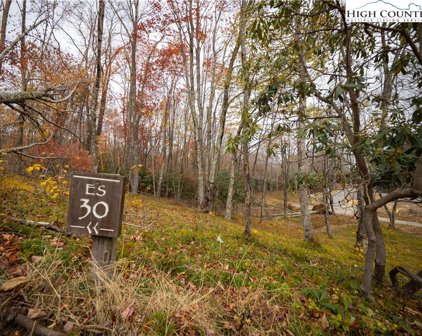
[34, 223]
[35, 327]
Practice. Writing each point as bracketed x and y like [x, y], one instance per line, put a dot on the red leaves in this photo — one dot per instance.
[73, 155]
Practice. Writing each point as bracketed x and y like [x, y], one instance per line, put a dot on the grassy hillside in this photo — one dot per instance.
[174, 277]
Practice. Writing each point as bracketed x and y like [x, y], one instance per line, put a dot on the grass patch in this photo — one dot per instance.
[173, 277]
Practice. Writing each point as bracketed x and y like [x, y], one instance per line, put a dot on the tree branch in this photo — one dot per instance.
[20, 37]
[45, 225]
[22, 96]
[396, 194]
[21, 148]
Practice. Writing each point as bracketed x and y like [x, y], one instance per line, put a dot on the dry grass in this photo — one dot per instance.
[128, 300]
[136, 300]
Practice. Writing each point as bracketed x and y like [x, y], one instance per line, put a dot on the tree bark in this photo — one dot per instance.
[92, 134]
[326, 197]
[4, 19]
[211, 189]
[302, 165]
[164, 140]
[230, 191]
[369, 218]
[361, 237]
[245, 122]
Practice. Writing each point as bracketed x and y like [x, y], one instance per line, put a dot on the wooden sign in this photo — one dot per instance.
[95, 204]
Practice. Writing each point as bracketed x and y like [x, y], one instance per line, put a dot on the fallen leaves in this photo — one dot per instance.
[68, 326]
[9, 249]
[324, 322]
[13, 283]
[36, 314]
[129, 312]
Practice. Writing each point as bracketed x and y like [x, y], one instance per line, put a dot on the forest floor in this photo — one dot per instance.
[181, 272]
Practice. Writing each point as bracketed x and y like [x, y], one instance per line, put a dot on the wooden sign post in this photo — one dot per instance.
[96, 209]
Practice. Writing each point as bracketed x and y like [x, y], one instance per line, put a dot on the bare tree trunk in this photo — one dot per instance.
[387, 89]
[222, 125]
[131, 138]
[302, 166]
[391, 213]
[264, 188]
[375, 252]
[285, 171]
[256, 157]
[24, 82]
[326, 198]
[164, 140]
[93, 146]
[4, 19]
[230, 192]
[103, 102]
[264, 183]
[302, 170]
[361, 237]
[245, 122]
[304, 209]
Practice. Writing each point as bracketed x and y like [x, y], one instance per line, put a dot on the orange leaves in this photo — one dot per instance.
[201, 35]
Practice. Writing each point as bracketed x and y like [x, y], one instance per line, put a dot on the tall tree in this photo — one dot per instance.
[246, 123]
[4, 18]
[92, 133]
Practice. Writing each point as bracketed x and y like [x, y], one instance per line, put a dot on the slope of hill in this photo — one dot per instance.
[181, 272]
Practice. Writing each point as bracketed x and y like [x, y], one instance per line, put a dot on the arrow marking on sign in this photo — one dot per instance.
[109, 230]
[95, 228]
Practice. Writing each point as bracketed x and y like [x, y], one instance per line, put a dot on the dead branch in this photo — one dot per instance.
[36, 157]
[35, 327]
[21, 148]
[45, 225]
[16, 97]
[20, 37]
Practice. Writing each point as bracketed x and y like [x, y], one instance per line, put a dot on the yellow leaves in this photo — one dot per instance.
[53, 187]
[136, 168]
[15, 183]
[136, 202]
[1, 161]
[36, 167]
